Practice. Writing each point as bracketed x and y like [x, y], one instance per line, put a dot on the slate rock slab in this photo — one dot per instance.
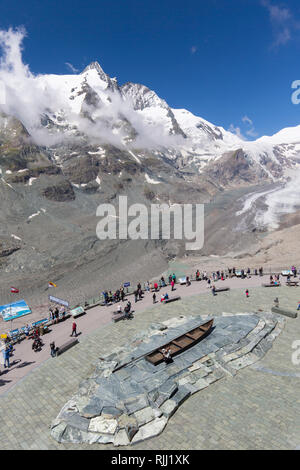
[103, 425]
[135, 402]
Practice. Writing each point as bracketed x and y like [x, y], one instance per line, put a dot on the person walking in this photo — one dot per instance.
[298, 308]
[52, 349]
[247, 293]
[154, 298]
[74, 326]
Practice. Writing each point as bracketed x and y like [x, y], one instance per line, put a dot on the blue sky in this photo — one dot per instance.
[231, 62]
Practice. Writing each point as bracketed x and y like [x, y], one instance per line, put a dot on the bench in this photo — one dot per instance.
[222, 289]
[121, 316]
[22, 331]
[63, 317]
[171, 299]
[41, 323]
[14, 335]
[118, 313]
[118, 317]
[64, 347]
[287, 313]
[292, 283]
[271, 285]
[76, 312]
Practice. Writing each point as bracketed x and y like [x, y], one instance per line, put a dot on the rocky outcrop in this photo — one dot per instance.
[235, 169]
[59, 190]
[128, 399]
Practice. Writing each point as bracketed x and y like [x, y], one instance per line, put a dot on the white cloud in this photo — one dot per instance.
[194, 49]
[29, 96]
[247, 120]
[71, 67]
[283, 37]
[250, 132]
[282, 21]
[236, 131]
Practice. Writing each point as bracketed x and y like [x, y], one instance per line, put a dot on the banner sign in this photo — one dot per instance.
[126, 284]
[14, 310]
[65, 303]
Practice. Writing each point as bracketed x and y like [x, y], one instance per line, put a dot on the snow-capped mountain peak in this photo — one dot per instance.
[134, 116]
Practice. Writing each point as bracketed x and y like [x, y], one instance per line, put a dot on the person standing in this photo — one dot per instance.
[52, 349]
[62, 312]
[6, 356]
[56, 313]
[247, 293]
[154, 298]
[74, 326]
[27, 330]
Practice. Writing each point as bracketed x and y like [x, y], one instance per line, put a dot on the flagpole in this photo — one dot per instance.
[12, 290]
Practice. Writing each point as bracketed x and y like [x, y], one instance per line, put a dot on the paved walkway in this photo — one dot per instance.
[25, 360]
[258, 408]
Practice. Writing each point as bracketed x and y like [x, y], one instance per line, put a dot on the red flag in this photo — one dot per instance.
[14, 290]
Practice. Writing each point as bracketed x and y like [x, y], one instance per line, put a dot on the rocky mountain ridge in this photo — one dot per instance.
[93, 140]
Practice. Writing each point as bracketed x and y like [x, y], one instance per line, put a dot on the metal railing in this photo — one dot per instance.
[130, 290]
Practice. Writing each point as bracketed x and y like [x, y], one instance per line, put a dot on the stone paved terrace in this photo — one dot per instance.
[259, 408]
